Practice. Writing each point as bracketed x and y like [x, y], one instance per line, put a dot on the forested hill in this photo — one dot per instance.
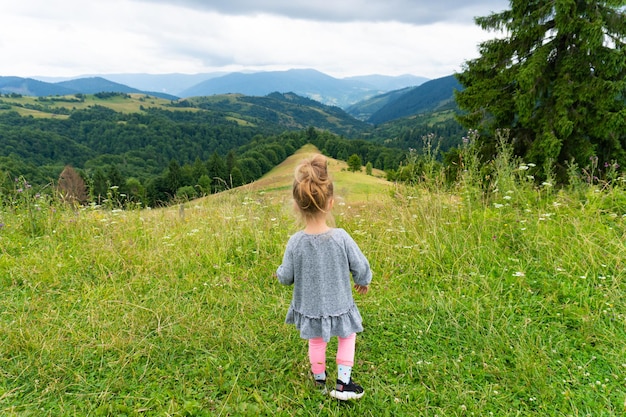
[427, 97]
[154, 150]
[287, 110]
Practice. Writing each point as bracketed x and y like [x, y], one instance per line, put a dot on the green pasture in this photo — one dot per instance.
[502, 303]
[36, 107]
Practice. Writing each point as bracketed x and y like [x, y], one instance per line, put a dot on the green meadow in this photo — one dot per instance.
[499, 300]
[59, 106]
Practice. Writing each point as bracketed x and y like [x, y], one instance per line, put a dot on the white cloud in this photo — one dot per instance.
[69, 38]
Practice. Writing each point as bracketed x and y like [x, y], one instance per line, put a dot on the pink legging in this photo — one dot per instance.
[345, 352]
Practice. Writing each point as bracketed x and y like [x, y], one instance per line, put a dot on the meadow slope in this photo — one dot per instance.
[506, 305]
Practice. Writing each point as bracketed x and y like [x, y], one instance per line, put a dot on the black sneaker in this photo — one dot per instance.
[349, 391]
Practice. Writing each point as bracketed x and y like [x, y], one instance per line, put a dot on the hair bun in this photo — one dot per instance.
[312, 187]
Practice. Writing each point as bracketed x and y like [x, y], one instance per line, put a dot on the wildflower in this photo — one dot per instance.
[507, 197]
[523, 167]
[497, 205]
[519, 274]
[1, 225]
[546, 184]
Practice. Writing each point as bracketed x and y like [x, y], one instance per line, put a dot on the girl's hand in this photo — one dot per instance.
[361, 289]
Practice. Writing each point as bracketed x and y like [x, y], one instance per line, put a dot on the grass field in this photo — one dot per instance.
[45, 107]
[506, 305]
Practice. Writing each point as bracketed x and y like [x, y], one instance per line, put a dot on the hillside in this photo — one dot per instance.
[287, 110]
[479, 305]
[275, 112]
[349, 186]
[62, 106]
[363, 110]
[427, 97]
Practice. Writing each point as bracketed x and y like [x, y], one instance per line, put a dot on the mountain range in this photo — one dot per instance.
[304, 82]
[374, 99]
[89, 85]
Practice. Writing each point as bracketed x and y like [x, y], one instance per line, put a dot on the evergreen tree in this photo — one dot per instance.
[199, 169]
[217, 172]
[136, 191]
[174, 177]
[115, 178]
[204, 182]
[231, 162]
[556, 81]
[354, 163]
[99, 186]
[236, 177]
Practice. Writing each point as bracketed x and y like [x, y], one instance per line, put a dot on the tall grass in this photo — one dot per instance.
[501, 299]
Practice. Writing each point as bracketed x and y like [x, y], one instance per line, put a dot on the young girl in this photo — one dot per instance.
[318, 261]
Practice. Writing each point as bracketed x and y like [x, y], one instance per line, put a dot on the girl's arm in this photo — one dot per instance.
[285, 272]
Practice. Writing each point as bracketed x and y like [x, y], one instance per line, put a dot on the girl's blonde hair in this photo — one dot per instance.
[312, 187]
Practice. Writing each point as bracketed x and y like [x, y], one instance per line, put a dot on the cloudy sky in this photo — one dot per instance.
[67, 38]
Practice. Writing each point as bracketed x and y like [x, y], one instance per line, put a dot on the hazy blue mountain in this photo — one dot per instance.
[31, 87]
[91, 85]
[95, 85]
[427, 97]
[389, 83]
[163, 83]
[363, 110]
[310, 83]
[305, 82]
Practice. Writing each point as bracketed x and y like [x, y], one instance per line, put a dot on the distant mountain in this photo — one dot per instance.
[287, 111]
[363, 110]
[342, 92]
[389, 83]
[95, 85]
[163, 83]
[304, 82]
[429, 96]
[299, 81]
[32, 87]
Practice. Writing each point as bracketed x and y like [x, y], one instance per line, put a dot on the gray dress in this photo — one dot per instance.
[319, 267]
